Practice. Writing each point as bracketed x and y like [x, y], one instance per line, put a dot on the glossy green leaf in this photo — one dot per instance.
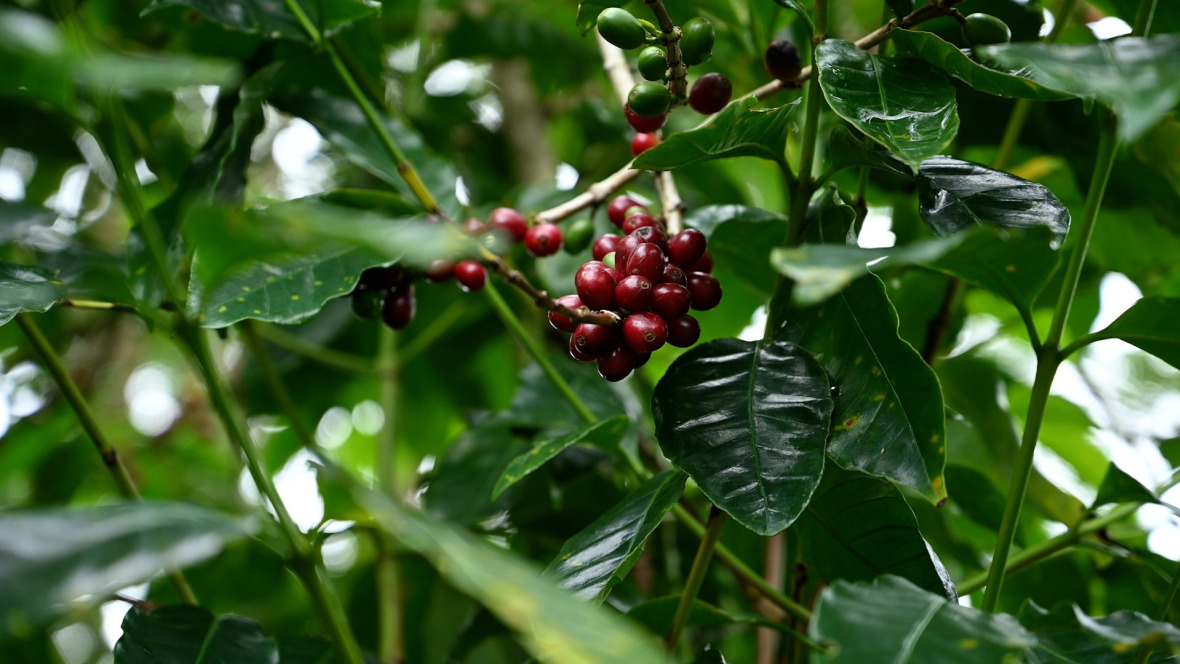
[284, 291]
[272, 20]
[183, 634]
[740, 240]
[892, 621]
[1119, 487]
[603, 553]
[553, 625]
[1134, 76]
[848, 151]
[657, 615]
[857, 528]
[958, 63]
[1067, 635]
[306, 651]
[800, 11]
[24, 288]
[904, 104]
[1015, 266]
[536, 404]
[1151, 325]
[748, 422]
[888, 417]
[737, 131]
[50, 557]
[606, 433]
[955, 194]
[588, 11]
[460, 488]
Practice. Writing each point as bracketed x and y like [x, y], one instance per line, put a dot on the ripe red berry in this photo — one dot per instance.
[625, 248]
[470, 275]
[705, 289]
[684, 331]
[647, 261]
[653, 235]
[617, 364]
[543, 239]
[439, 270]
[593, 339]
[596, 287]
[704, 265]
[605, 245]
[710, 93]
[641, 124]
[511, 221]
[645, 331]
[639, 220]
[643, 142]
[634, 293]
[474, 227]
[560, 322]
[674, 275]
[579, 355]
[399, 307]
[616, 210]
[686, 247]
[671, 300]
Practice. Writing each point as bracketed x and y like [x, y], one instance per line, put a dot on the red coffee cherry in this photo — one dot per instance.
[594, 339]
[511, 221]
[653, 235]
[687, 247]
[639, 220]
[645, 331]
[399, 307]
[647, 261]
[684, 331]
[704, 265]
[710, 93]
[671, 300]
[471, 275]
[641, 124]
[634, 293]
[605, 245]
[625, 248]
[579, 355]
[560, 322]
[543, 240]
[617, 364]
[440, 270]
[643, 142]
[617, 208]
[783, 61]
[705, 289]
[674, 275]
[595, 286]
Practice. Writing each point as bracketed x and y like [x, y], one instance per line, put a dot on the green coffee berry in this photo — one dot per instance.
[620, 28]
[649, 99]
[653, 63]
[578, 235]
[609, 259]
[696, 41]
[981, 29]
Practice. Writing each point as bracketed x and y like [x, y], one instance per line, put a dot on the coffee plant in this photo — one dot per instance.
[505, 331]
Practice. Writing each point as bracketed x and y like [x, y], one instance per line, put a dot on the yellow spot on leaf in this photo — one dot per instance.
[879, 397]
[857, 360]
[294, 297]
[851, 422]
[876, 371]
[934, 438]
[969, 644]
[222, 309]
[319, 283]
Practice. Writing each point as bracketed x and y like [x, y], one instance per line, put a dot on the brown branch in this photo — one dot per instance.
[595, 194]
[541, 298]
[670, 202]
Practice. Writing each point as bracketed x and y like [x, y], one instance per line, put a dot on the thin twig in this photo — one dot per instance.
[678, 80]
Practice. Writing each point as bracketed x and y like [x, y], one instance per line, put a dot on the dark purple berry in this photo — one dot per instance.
[705, 289]
[704, 265]
[710, 93]
[783, 61]
[684, 331]
[594, 339]
[579, 355]
[617, 364]
[674, 275]
[399, 308]
[686, 247]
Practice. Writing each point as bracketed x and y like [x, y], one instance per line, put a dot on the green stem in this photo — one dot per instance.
[1023, 106]
[536, 352]
[1083, 341]
[317, 353]
[387, 395]
[388, 568]
[1143, 18]
[1048, 358]
[110, 456]
[274, 383]
[1161, 615]
[696, 575]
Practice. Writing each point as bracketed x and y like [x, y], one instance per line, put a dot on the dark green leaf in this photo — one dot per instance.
[588, 11]
[184, 634]
[606, 433]
[537, 404]
[1119, 487]
[306, 651]
[50, 557]
[904, 104]
[737, 131]
[1134, 76]
[657, 615]
[24, 288]
[603, 553]
[461, 488]
[800, 11]
[893, 621]
[888, 418]
[1150, 324]
[1067, 635]
[857, 528]
[956, 194]
[1015, 266]
[272, 20]
[740, 240]
[848, 151]
[957, 63]
[747, 421]
[900, 8]
[127, 74]
[554, 625]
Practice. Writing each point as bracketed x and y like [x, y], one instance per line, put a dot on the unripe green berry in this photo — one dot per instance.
[653, 63]
[649, 99]
[620, 28]
[982, 29]
[696, 41]
[578, 236]
[609, 259]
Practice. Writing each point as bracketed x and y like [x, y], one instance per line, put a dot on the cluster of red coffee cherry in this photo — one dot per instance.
[650, 280]
[388, 292]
